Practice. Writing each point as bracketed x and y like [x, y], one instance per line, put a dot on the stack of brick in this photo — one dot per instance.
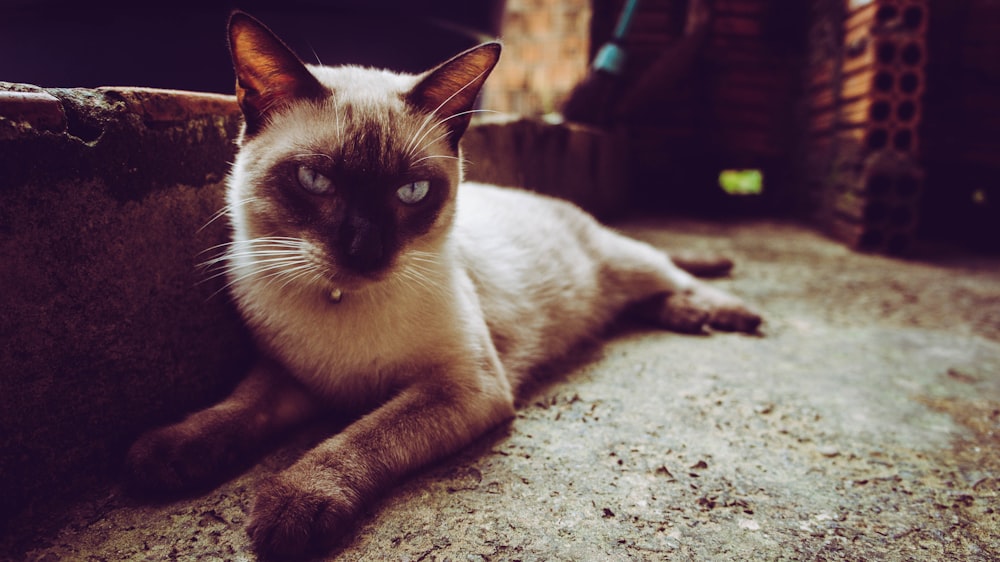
[818, 104]
[876, 180]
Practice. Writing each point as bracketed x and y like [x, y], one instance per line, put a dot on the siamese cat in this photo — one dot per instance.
[378, 284]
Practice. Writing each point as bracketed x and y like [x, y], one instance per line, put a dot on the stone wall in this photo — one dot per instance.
[108, 324]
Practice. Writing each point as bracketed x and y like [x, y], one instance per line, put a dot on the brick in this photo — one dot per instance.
[37, 109]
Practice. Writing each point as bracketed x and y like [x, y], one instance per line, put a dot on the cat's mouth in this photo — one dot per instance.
[416, 270]
[336, 283]
[334, 278]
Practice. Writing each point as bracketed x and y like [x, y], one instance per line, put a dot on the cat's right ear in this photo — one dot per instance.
[268, 74]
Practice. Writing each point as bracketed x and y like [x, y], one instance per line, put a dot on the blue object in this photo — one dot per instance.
[611, 56]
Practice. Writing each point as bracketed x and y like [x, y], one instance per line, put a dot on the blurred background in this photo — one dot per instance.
[875, 118]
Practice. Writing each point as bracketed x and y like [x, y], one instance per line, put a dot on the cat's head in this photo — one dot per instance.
[344, 171]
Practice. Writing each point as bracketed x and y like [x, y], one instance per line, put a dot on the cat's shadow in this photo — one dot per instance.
[452, 471]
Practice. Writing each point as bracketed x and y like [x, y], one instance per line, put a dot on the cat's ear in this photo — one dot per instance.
[268, 74]
[450, 90]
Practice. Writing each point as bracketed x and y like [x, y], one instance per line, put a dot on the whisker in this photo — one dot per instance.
[257, 262]
[234, 268]
[412, 147]
[291, 273]
[265, 255]
[304, 271]
[419, 160]
[415, 278]
[340, 129]
[225, 211]
[316, 154]
[270, 258]
[250, 252]
[423, 255]
[273, 240]
[274, 268]
[316, 55]
[423, 258]
[431, 142]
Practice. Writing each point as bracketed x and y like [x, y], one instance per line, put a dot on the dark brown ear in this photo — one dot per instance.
[449, 91]
[268, 74]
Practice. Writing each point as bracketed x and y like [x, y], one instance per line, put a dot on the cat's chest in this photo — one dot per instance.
[360, 347]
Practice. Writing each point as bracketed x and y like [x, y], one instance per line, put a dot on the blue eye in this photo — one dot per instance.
[413, 193]
[314, 182]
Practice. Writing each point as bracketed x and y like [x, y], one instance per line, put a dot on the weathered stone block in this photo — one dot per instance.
[108, 326]
[37, 110]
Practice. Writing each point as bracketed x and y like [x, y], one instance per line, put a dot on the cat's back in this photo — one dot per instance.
[524, 237]
[536, 270]
[486, 211]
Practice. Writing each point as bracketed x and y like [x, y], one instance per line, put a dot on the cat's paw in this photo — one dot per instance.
[694, 310]
[298, 513]
[176, 459]
[702, 264]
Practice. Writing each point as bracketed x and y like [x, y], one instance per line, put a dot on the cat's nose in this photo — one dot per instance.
[363, 248]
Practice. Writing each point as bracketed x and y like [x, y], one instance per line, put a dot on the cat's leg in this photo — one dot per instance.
[208, 445]
[309, 506]
[668, 295]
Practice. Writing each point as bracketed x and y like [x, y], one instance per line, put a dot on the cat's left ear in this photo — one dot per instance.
[450, 90]
[268, 74]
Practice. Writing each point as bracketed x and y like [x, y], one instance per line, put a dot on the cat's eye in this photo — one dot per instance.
[413, 193]
[314, 182]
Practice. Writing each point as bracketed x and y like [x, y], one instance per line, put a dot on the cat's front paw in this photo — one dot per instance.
[176, 459]
[299, 512]
[702, 307]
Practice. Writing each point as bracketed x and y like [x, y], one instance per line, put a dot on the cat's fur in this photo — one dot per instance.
[423, 317]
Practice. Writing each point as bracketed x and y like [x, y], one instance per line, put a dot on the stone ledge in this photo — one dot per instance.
[568, 160]
[172, 106]
[78, 134]
[39, 110]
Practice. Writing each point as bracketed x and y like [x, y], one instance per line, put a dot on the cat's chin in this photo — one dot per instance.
[339, 287]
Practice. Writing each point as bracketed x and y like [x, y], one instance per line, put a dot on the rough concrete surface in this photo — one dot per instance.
[862, 425]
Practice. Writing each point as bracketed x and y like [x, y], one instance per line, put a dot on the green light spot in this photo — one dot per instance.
[742, 182]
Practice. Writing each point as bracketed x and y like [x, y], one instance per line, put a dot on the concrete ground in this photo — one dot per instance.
[863, 425]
